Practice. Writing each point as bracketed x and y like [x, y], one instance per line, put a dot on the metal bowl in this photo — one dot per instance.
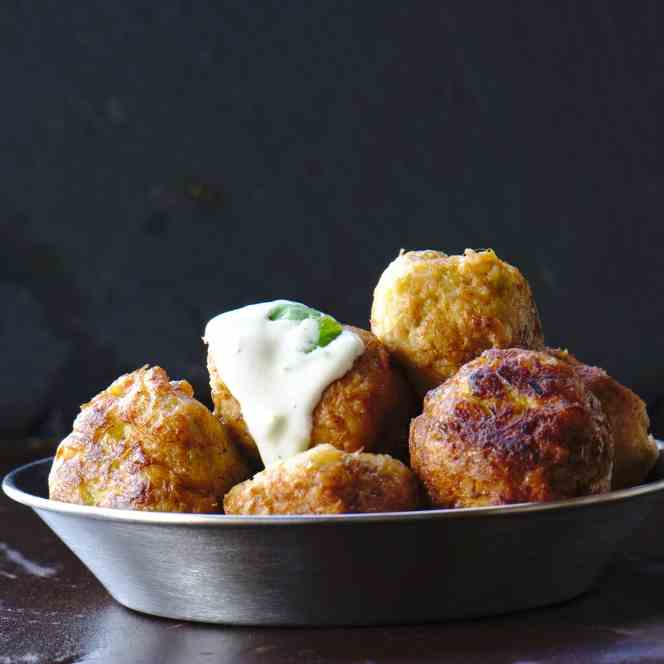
[356, 569]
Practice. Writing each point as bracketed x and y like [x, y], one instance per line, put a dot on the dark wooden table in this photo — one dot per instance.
[53, 611]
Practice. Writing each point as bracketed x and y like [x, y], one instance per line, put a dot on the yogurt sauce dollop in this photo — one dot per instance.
[277, 372]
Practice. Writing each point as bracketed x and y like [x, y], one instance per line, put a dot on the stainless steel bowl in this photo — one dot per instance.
[346, 569]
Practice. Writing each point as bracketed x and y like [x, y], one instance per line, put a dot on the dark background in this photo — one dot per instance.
[162, 162]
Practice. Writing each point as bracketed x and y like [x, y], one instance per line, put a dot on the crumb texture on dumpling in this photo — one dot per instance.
[326, 480]
[436, 312]
[511, 426]
[635, 451]
[145, 443]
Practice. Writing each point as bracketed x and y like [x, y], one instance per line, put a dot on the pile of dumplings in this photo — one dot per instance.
[455, 401]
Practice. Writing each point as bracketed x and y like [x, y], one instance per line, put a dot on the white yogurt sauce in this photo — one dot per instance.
[269, 367]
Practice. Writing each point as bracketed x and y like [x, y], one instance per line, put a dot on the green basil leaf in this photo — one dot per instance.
[328, 328]
[293, 311]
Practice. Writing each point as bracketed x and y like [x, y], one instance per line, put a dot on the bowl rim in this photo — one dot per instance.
[12, 490]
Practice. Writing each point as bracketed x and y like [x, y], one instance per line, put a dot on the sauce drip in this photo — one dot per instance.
[277, 372]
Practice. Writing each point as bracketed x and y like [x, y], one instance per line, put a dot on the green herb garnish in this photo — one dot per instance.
[328, 328]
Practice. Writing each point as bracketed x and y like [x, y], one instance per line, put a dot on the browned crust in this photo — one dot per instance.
[326, 480]
[511, 426]
[369, 408]
[635, 450]
[145, 443]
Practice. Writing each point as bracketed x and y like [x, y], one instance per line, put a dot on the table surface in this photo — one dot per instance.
[52, 610]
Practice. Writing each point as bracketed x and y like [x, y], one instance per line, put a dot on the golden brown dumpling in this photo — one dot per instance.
[436, 312]
[369, 408]
[511, 426]
[635, 450]
[145, 443]
[325, 480]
